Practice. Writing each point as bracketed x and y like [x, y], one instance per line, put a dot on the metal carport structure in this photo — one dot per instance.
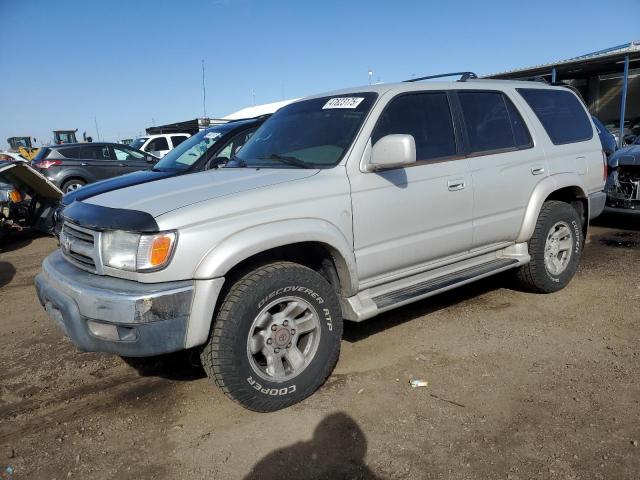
[609, 81]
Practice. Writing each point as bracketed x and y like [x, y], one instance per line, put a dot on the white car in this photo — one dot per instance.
[159, 145]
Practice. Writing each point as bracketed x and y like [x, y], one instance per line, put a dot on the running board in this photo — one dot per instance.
[423, 289]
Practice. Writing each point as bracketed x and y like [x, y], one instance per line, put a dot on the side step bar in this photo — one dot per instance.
[420, 290]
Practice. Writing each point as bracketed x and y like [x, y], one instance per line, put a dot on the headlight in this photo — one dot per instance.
[137, 252]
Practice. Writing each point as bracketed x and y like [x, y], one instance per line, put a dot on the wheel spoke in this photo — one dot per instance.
[275, 367]
[305, 324]
[295, 357]
[293, 309]
[256, 343]
[565, 244]
[264, 320]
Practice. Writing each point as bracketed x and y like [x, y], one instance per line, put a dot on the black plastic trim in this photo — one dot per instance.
[106, 218]
[428, 286]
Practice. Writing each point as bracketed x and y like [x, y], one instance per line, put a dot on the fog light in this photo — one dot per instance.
[103, 330]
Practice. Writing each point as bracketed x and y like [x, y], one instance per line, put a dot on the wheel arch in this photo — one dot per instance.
[315, 243]
[563, 187]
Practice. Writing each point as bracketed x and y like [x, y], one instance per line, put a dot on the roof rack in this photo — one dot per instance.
[464, 76]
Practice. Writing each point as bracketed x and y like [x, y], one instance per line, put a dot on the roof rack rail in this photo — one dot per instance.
[464, 76]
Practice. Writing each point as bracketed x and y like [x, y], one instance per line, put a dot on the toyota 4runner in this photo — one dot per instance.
[340, 207]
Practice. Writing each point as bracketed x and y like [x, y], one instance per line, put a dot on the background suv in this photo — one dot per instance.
[159, 145]
[71, 166]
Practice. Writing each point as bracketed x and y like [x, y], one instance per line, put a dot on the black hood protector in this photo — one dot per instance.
[97, 217]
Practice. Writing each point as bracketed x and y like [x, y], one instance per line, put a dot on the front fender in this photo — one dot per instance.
[251, 241]
[541, 192]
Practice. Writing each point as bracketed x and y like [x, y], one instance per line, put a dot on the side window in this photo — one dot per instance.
[177, 140]
[95, 152]
[157, 144]
[69, 152]
[124, 154]
[561, 114]
[234, 145]
[492, 122]
[425, 116]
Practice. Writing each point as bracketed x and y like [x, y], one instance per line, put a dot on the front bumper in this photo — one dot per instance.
[106, 314]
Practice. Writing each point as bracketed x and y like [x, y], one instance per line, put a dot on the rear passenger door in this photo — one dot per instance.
[505, 167]
[409, 217]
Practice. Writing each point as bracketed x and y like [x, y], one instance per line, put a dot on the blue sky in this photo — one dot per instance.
[128, 63]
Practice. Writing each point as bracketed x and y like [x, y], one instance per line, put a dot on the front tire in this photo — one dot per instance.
[276, 337]
[555, 249]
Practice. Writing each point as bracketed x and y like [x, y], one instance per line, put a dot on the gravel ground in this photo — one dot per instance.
[520, 386]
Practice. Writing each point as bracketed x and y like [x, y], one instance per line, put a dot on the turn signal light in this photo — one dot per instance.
[160, 250]
[14, 196]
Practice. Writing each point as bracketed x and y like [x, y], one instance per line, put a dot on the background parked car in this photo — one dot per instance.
[159, 145]
[72, 166]
[206, 149]
[623, 180]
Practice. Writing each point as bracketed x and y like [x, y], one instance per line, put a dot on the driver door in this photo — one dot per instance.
[409, 217]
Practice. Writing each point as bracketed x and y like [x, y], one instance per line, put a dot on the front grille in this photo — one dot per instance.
[80, 246]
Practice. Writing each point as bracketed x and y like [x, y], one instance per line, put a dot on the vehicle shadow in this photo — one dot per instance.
[337, 450]
[17, 240]
[182, 366]
[354, 331]
[618, 221]
[7, 272]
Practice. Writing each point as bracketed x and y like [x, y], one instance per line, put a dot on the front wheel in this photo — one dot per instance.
[555, 249]
[276, 337]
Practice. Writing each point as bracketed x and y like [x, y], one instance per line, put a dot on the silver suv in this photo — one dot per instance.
[341, 206]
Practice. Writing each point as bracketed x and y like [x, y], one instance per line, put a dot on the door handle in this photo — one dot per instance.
[455, 185]
[84, 164]
[123, 165]
[537, 170]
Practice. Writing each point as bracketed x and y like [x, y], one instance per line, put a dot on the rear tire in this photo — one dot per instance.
[73, 184]
[555, 249]
[276, 337]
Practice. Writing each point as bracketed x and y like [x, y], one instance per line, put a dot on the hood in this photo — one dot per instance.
[625, 156]
[162, 196]
[21, 175]
[116, 183]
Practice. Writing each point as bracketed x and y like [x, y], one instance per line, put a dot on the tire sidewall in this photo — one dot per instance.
[294, 282]
[565, 213]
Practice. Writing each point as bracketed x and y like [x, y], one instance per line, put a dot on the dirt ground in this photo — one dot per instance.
[520, 386]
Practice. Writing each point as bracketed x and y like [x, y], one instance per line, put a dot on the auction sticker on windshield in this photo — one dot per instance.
[343, 102]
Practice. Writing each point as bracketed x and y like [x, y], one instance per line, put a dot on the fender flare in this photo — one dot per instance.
[541, 192]
[241, 245]
[76, 173]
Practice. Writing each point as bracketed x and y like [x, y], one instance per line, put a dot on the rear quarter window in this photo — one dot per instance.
[561, 114]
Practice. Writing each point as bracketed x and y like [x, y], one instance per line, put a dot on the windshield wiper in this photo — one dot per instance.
[296, 162]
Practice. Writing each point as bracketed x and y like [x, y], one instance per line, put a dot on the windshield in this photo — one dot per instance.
[137, 143]
[191, 150]
[313, 133]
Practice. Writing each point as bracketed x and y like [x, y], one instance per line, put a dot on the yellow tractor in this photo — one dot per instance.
[23, 146]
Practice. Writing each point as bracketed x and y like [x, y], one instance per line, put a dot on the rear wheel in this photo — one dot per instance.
[73, 184]
[555, 249]
[276, 337]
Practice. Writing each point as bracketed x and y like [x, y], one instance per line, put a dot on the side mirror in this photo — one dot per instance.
[150, 158]
[216, 162]
[392, 151]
